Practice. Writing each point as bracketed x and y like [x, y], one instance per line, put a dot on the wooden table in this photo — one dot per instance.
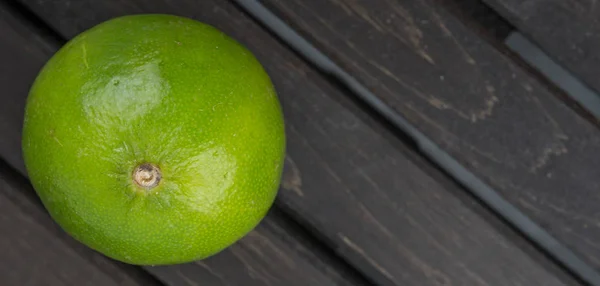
[421, 150]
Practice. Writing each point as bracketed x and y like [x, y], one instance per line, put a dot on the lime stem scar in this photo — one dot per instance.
[147, 175]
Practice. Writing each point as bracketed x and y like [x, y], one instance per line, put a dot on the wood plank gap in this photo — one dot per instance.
[45, 31]
[554, 72]
[500, 33]
[567, 31]
[426, 146]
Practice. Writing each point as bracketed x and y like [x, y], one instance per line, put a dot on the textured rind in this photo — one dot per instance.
[165, 90]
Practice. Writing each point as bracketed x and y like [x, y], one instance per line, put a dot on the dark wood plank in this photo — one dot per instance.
[473, 101]
[348, 178]
[568, 30]
[26, 69]
[275, 253]
[479, 17]
[34, 251]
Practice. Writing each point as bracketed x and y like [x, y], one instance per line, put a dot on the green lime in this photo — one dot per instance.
[154, 139]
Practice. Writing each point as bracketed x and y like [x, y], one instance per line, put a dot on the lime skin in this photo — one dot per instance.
[154, 139]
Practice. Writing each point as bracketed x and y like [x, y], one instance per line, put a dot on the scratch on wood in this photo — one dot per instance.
[362, 154]
[472, 115]
[321, 160]
[470, 60]
[304, 24]
[529, 206]
[186, 279]
[370, 181]
[556, 148]
[252, 272]
[415, 37]
[400, 81]
[342, 5]
[362, 253]
[447, 134]
[586, 240]
[292, 180]
[427, 270]
[376, 187]
[400, 11]
[252, 245]
[560, 134]
[292, 66]
[488, 155]
[559, 209]
[363, 13]
[270, 245]
[337, 126]
[546, 155]
[414, 32]
[209, 269]
[473, 275]
[573, 215]
[430, 238]
[437, 103]
[361, 54]
[489, 103]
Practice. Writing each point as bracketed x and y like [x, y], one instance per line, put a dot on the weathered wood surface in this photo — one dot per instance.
[275, 253]
[34, 251]
[568, 30]
[479, 106]
[18, 69]
[350, 180]
[478, 17]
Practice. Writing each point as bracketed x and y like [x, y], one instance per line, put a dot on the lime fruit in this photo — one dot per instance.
[154, 139]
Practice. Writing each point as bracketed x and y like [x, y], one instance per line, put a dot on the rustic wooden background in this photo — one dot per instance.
[362, 202]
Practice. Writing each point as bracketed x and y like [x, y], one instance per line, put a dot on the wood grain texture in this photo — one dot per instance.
[475, 103]
[34, 251]
[568, 30]
[275, 253]
[26, 69]
[478, 17]
[349, 179]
